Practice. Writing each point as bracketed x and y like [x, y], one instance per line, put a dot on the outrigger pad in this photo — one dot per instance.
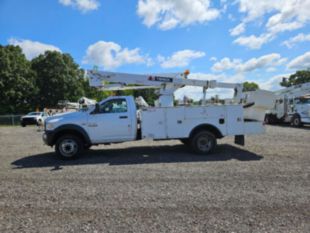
[239, 140]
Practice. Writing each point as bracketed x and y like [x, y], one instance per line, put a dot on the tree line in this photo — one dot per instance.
[299, 77]
[43, 81]
[27, 85]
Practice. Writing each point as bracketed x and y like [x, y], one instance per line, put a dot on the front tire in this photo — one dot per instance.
[203, 142]
[68, 147]
[270, 119]
[267, 119]
[296, 121]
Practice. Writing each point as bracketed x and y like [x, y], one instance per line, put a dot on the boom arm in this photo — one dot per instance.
[295, 91]
[167, 83]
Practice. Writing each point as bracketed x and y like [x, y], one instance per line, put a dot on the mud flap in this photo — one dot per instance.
[239, 140]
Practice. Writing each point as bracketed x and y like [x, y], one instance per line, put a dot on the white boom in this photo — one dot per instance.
[167, 83]
[295, 91]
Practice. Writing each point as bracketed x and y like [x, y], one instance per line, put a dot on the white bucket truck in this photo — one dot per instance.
[291, 105]
[116, 119]
[288, 105]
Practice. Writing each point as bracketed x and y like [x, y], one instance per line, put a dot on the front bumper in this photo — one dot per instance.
[48, 137]
[28, 121]
[305, 120]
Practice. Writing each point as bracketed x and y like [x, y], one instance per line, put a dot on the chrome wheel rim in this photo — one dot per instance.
[296, 121]
[68, 147]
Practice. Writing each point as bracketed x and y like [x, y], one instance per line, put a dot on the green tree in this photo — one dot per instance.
[250, 86]
[17, 81]
[301, 76]
[93, 92]
[58, 78]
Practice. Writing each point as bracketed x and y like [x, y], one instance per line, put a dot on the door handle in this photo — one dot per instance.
[123, 117]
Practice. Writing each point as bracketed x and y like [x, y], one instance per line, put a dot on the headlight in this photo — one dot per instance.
[49, 126]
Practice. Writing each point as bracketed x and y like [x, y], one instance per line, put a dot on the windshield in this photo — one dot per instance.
[33, 113]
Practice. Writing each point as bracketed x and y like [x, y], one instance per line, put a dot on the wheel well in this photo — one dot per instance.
[69, 131]
[217, 133]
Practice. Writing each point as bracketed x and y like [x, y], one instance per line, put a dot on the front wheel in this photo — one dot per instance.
[203, 142]
[267, 119]
[68, 147]
[296, 121]
[270, 119]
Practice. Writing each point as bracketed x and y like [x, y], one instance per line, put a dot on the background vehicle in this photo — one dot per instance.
[33, 118]
[289, 105]
[116, 119]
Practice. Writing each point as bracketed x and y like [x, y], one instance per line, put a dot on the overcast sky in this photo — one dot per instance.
[226, 40]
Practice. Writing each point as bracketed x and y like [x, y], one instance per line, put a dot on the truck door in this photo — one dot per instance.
[282, 107]
[113, 122]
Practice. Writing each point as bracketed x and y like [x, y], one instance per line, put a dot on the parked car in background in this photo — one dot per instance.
[33, 118]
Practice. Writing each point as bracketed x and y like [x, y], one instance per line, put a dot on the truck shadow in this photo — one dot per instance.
[137, 155]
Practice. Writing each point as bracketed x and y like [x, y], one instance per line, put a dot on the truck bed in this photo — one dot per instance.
[178, 122]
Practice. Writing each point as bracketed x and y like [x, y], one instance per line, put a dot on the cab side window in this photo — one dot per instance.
[114, 106]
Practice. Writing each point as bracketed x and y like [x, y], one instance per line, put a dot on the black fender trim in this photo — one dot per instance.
[52, 136]
[213, 129]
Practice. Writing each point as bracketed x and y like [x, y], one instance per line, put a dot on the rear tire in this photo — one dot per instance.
[203, 142]
[68, 147]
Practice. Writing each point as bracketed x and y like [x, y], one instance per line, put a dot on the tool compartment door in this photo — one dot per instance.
[235, 121]
[153, 123]
[176, 124]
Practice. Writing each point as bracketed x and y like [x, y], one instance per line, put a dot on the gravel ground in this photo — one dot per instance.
[157, 186]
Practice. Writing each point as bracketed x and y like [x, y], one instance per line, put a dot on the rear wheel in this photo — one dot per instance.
[203, 142]
[68, 147]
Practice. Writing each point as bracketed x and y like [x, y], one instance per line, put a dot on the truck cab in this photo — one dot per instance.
[301, 107]
[111, 120]
[293, 110]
